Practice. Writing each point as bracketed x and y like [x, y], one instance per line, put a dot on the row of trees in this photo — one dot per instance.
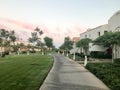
[8, 39]
[109, 40]
[35, 39]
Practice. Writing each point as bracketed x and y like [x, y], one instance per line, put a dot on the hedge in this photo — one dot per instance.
[109, 73]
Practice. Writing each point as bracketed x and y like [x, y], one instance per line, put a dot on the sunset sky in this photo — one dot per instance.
[57, 18]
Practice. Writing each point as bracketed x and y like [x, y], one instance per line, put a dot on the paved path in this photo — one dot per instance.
[68, 75]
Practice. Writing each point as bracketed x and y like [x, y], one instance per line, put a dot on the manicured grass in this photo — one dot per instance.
[109, 73]
[24, 72]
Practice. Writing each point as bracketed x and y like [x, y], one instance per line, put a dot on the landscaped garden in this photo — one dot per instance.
[24, 72]
[109, 73]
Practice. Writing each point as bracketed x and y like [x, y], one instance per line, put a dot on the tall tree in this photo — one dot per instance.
[48, 42]
[84, 44]
[35, 37]
[67, 45]
[109, 39]
[12, 36]
[6, 37]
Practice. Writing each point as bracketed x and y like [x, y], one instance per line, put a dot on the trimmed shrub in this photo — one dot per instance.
[100, 55]
[24, 52]
[117, 61]
[33, 51]
[3, 55]
[107, 72]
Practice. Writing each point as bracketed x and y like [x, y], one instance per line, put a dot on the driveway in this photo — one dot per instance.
[69, 75]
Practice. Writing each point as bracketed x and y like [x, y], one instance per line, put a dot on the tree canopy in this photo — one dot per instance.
[7, 36]
[48, 42]
[35, 36]
[108, 39]
[67, 45]
[84, 43]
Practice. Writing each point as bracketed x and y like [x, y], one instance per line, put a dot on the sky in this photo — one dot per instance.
[56, 18]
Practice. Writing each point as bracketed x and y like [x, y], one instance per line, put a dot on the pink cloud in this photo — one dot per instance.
[79, 28]
[21, 24]
[58, 29]
[4, 27]
[44, 29]
[26, 25]
[57, 33]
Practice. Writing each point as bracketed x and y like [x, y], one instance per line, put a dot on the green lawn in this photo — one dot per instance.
[109, 73]
[24, 72]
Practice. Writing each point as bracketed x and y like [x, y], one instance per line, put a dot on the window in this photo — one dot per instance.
[85, 36]
[98, 33]
[105, 32]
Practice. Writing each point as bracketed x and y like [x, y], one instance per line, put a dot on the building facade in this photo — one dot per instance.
[113, 25]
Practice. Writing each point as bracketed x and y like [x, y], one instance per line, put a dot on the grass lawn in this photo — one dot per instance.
[109, 73]
[23, 72]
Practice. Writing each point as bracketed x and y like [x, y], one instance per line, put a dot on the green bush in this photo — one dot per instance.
[24, 52]
[100, 55]
[107, 72]
[117, 61]
[33, 51]
[6, 52]
[3, 55]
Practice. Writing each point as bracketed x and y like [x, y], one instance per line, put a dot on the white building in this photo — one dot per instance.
[114, 22]
[93, 34]
[113, 25]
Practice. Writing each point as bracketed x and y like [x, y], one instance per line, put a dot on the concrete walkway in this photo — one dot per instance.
[68, 75]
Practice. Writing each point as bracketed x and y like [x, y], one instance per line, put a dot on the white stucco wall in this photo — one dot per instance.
[96, 47]
[113, 25]
[114, 22]
[93, 33]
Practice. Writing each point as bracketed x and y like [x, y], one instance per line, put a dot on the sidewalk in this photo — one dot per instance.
[69, 75]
